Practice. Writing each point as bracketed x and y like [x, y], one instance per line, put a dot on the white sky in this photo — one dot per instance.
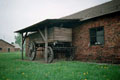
[18, 14]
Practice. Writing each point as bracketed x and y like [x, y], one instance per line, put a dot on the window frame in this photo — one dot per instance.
[91, 36]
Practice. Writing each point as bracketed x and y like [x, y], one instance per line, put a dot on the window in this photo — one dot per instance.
[97, 36]
[0, 49]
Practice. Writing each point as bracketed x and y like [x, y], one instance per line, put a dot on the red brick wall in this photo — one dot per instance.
[109, 51]
[5, 47]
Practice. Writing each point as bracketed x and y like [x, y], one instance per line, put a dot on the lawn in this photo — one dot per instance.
[12, 68]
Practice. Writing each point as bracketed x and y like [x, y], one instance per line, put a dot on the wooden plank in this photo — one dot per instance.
[53, 34]
[50, 33]
[63, 34]
[46, 44]
[43, 37]
[22, 46]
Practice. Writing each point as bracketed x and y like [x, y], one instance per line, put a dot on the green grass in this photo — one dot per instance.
[12, 68]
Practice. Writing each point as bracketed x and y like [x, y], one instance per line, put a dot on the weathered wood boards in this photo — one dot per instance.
[63, 34]
[54, 34]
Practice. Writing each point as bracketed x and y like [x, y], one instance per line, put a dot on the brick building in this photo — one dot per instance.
[6, 47]
[97, 37]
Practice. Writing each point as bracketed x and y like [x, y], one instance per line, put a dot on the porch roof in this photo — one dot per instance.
[50, 23]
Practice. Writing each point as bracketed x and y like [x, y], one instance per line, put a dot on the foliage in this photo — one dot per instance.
[12, 42]
[18, 39]
[13, 68]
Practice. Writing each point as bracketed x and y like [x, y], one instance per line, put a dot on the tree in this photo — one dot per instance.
[12, 42]
[18, 39]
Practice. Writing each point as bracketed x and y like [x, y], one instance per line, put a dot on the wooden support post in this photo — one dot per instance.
[46, 44]
[23, 40]
[45, 39]
[22, 45]
[24, 37]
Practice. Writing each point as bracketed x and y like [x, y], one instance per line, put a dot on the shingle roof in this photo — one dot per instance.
[106, 8]
[49, 23]
[7, 42]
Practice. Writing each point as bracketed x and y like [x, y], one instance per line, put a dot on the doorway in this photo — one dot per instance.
[8, 49]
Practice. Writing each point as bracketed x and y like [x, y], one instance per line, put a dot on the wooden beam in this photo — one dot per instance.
[42, 35]
[24, 37]
[46, 44]
[22, 45]
[45, 39]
